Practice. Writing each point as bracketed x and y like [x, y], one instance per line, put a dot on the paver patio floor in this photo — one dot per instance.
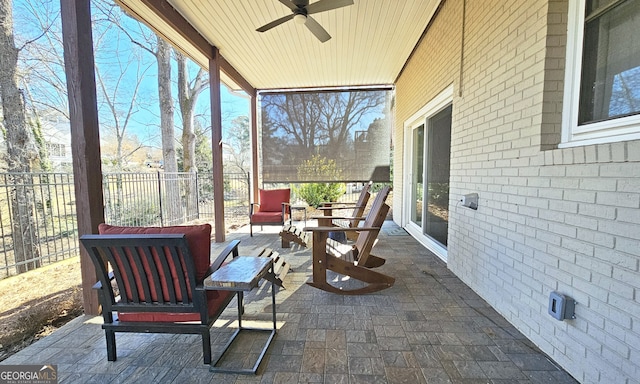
[428, 328]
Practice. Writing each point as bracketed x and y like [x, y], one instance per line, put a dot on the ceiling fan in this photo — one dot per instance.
[301, 11]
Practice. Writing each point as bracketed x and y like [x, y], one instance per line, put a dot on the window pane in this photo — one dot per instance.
[610, 85]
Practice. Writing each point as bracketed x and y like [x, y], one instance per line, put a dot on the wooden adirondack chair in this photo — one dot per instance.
[291, 233]
[349, 222]
[353, 261]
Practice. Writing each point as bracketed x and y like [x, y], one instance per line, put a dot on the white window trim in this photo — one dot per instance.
[614, 130]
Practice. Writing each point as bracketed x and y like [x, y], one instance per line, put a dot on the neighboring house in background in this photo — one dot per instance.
[555, 163]
[57, 137]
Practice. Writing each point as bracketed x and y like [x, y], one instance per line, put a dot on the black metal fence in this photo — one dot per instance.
[38, 211]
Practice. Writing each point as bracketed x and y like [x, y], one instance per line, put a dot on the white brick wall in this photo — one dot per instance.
[549, 219]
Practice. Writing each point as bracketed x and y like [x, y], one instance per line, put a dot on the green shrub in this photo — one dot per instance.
[316, 193]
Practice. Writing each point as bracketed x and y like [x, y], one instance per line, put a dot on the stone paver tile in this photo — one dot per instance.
[360, 366]
[311, 378]
[290, 347]
[474, 338]
[283, 363]
[360, 336]
[451, 369]
[336, 338]
[397, 375]
[449, 339]
[501, 370]
[367, 379]
[394, 359]
[452, 352]
[482, 353]
[436, 375]
[555, 377]
[426, 338]
[336, 379]
[336, 361]
[363, 350]
[469, 369]
[497, 352]
[427, 357]
[316, 335]
[532, 362]
[394, 344]
[313, 361]
[286, 378]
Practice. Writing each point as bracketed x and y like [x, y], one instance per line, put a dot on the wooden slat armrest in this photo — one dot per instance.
[339, 206]
[338, 217]
[339, 229]
[232, 248]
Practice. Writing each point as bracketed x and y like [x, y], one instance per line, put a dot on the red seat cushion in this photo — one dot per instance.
[266, 217]
[199, 242]
[271, 199]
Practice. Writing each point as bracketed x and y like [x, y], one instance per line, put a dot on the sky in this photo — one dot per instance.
[124, 71]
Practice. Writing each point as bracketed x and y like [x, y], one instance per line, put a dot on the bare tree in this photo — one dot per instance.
[172, 186]
[21, 151]
[188, 92]
[121, 114]
[238, 145]
[161, 50]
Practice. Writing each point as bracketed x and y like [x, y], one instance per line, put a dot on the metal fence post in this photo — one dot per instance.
[160, 198]
[196, 174]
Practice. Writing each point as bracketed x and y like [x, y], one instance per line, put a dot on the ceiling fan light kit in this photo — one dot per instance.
[300, 18]
[300, 11]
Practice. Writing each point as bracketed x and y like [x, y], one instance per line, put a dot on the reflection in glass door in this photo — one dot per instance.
[437, 164]
[417, 175]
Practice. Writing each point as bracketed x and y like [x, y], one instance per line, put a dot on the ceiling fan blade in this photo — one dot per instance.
[317, 29]
[289, 4]
[326, 5]
[274, 23]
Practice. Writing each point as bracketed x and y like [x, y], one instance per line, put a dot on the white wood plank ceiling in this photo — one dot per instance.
[371, 40]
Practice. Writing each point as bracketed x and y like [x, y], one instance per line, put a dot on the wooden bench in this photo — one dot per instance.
[148, 283]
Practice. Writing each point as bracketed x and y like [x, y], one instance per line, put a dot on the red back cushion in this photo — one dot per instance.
[271, 199]
[199, 242]
[198, 239]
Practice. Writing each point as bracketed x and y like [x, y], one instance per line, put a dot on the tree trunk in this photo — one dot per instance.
[187, 97]
[20, 147]
[173, 202]
[186, 111]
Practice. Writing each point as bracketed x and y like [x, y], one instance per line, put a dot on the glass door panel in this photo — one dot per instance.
[438, 154]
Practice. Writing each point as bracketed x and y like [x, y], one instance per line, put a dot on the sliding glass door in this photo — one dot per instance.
[429, 148]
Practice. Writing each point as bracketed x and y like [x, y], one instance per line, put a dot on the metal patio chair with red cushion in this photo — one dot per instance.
[272, 208]
[150, 280]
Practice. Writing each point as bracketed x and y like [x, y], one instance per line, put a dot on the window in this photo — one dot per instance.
[57, 150]
[602, 95]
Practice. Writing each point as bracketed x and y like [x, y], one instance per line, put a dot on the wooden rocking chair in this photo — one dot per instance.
[291, 233]
[348, 222]
[353, 261]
